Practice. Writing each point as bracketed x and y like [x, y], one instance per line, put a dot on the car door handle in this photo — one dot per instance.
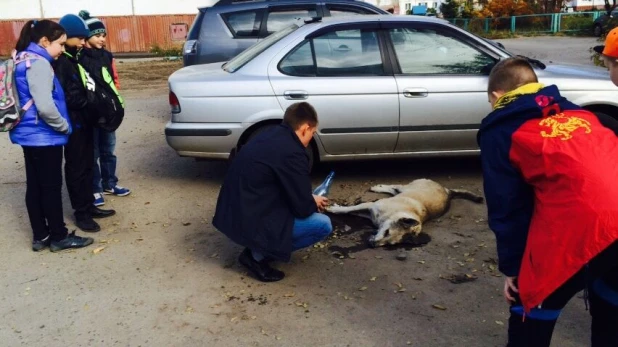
[295, 95]
[415, 92]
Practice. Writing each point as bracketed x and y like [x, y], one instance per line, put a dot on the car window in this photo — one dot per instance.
[339, 53]
[247, 55]
[338, 11]
[243, 24]
[425, 51]
[279, 18]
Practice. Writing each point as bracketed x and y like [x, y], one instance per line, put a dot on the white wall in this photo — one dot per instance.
[27, 9]
[14, 9]
[144, 7]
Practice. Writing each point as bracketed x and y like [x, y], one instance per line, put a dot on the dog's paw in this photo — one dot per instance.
[334, 208]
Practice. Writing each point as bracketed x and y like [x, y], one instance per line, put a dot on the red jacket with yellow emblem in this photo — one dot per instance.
[550, 170]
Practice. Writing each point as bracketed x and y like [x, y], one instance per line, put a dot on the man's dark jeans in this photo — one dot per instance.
[600, 279]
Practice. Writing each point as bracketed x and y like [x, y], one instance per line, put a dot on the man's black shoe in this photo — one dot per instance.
[71, 241]
[88, 225]
[38, 245]
[260, 269]
[96, 212]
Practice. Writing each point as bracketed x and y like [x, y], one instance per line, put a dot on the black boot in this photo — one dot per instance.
[88, 225]
[96, 212]
[71, 241]
[260, 269]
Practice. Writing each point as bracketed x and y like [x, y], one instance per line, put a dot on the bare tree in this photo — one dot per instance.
[609, 8]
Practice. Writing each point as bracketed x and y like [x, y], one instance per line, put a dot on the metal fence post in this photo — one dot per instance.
[559, 19]
[486, 25]
[512, 24]
[466, 21]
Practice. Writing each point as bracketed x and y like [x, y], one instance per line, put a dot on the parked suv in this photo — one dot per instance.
[229, 27]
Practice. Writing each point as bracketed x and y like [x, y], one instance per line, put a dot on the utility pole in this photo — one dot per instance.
[133, 7]
[41, 7]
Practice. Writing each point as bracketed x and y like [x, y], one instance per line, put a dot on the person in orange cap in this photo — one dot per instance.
[609, 54]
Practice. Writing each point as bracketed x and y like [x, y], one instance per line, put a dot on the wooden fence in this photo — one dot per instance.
[125, 34]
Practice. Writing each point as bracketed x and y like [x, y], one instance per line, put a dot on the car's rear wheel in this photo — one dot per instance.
[311, 151]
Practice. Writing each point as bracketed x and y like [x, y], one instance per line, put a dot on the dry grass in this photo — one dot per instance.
[146, 75]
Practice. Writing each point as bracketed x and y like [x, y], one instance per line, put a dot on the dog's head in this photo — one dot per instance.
[398, 227]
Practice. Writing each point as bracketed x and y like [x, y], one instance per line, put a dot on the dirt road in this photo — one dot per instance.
[160, 275]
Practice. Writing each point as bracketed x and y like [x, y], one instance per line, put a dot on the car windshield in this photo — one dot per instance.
[247, 55]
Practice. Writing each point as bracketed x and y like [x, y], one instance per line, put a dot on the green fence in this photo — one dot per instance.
[534, 23]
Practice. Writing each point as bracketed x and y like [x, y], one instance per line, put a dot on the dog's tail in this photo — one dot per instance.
[464, 194]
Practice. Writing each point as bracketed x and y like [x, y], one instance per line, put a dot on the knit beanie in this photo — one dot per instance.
[94, 24]
[74, 26]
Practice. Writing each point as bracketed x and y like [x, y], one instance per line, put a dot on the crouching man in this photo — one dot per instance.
[266, 202]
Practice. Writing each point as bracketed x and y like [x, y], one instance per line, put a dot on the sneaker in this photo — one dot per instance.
[98, 199]
[39, 245]
[71, 241]
[118, 191]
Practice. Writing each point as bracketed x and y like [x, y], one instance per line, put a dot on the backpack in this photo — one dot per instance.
[11, 111]
[106, 104]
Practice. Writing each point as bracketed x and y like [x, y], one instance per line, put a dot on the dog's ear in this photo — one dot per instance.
[408, 222]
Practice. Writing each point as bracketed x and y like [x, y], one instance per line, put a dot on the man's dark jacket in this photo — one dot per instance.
[266, 187]
[65, 68]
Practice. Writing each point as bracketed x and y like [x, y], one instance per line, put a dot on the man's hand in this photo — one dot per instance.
[321, 202]
[509, 284]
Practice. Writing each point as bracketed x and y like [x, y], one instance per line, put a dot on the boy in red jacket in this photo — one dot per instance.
[552, 203]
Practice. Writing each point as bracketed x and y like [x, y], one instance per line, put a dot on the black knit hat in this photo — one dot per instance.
[94, 24]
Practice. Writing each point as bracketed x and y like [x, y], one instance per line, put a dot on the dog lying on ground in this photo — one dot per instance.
[405, 212]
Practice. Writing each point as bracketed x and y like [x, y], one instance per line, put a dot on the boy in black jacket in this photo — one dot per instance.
[97, 61]
[79, 152]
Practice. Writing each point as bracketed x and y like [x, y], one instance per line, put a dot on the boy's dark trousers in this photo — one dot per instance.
[79, 159]
[599, 280]
[44, 192]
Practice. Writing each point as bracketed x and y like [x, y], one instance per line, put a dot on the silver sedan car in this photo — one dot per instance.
[383, 87]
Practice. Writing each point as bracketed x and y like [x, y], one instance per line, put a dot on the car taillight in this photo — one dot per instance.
[190, 47]
[174, 104]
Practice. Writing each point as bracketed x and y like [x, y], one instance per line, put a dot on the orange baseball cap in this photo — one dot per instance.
[610, 48]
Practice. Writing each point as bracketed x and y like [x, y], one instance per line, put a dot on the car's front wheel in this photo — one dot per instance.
[311, 153]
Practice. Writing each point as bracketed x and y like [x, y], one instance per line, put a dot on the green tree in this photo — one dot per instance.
[467, 11]
[450, 9]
